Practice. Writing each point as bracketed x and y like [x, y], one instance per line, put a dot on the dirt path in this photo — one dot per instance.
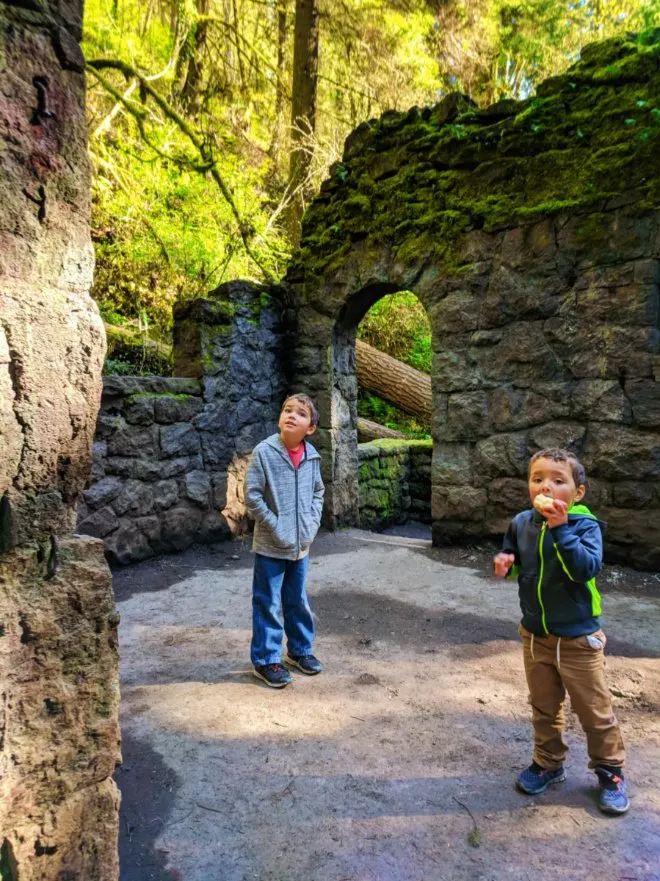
[396, 761]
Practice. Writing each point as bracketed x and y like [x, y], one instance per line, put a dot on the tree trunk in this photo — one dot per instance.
[368, 431]
[276, 142]
[197, 44]
[407, 388]
[303, 108]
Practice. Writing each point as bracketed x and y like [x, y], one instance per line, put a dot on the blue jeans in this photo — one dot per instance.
[274, 581]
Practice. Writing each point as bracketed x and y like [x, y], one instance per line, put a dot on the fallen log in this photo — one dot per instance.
[407, 388]
[368, 431]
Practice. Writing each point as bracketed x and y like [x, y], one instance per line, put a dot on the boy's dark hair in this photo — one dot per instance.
[306, 401]
[556, 454]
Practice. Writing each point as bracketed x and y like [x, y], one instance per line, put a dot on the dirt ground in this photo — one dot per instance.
[395, 764]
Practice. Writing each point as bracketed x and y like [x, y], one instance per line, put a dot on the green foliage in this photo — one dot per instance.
[399, 326]
[372, 407]
[189, 182]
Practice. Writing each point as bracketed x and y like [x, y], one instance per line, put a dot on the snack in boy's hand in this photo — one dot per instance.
[542, 502]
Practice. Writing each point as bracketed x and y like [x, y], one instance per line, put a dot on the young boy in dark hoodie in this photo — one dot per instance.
[555, 550]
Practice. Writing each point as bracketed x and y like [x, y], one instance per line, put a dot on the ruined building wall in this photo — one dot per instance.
[171, 453]
[58, 648]
[531, 233]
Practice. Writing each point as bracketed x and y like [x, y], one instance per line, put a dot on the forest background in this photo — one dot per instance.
[213, 122]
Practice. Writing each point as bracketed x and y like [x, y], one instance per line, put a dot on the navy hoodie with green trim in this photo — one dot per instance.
[556, 570]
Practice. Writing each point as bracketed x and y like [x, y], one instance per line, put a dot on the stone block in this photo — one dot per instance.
[644, 397]
[518, 353]
[452, 464]
[176, 408]
[502, 455]
[198, 488]
[615, 452]
[509, 494]
[150, 528]
[102, 492]
[179, 440]
[152, 469]
[600, 400]
[459, 312]
[214, 527]
[179, 525]
[136, 499]
[599, 351]
[99, 523]
[628, 305]
[458, 502]
[128, 544]
[634, 494]
[219, 482]
[165, 493]
[139, 409]
[214, 417]
[514, 296]
[453, 369]
[107, 424]
[467, 416]
[512, 409]
[124, 386]
[129, 442]
[639, 528]
[567, 435]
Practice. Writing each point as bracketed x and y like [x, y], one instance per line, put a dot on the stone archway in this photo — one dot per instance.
[531, 233]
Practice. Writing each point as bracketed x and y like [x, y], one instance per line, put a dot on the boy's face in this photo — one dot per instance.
[554, 479]
[295, 423]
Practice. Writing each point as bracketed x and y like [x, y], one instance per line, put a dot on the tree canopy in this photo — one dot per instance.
[189, 107]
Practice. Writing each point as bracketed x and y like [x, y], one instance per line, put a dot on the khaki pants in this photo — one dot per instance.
[556, 665]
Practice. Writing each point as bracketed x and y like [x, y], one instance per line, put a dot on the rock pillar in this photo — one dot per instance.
[58, 656]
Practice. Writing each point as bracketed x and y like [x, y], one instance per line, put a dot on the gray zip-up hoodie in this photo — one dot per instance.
[286, 502]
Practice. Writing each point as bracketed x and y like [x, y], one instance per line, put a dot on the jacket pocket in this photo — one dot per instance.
[308, 530]
[284, 533]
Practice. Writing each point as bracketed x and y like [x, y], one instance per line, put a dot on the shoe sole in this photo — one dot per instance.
[262, 678]
[521, 788]
[295, 664]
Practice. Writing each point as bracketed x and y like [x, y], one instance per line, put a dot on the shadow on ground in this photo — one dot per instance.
[148, 792]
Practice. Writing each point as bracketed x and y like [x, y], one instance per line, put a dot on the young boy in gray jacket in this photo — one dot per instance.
[284, 495]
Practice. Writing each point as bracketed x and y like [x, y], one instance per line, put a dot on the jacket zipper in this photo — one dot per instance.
[297, 516]
[538, 587]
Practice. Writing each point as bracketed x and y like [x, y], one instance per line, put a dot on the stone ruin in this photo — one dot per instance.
[531, 233]
[59, 735]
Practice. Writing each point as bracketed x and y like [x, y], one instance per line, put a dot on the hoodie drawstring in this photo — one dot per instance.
[531, 648]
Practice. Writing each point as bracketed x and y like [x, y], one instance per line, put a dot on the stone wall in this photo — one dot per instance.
[394, 482]
[170, 453]
[59, 733]
[530, 232]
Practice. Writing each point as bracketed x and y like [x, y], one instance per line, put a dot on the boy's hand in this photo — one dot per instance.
[502, 563]
[557, 514]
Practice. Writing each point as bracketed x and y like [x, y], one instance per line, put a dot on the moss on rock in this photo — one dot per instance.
[420, 179]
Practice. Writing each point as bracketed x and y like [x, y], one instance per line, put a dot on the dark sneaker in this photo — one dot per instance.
[305, 663]
[613, 796]
[536, 779]
[274, 675]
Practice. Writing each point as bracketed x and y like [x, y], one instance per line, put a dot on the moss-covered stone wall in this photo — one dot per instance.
[531, 233]
[394, 482]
